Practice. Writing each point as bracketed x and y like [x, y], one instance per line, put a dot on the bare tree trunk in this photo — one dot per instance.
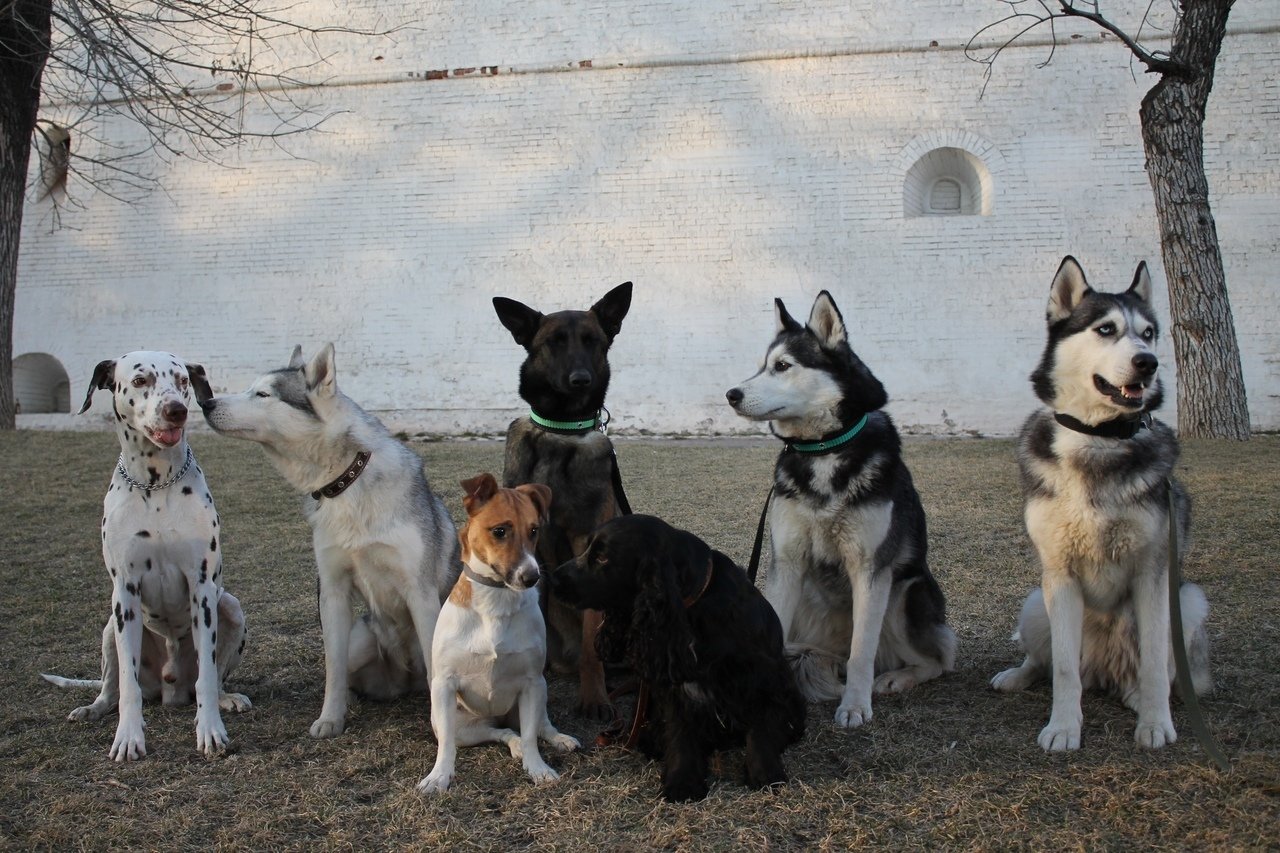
[1211, 393]
[24, 47]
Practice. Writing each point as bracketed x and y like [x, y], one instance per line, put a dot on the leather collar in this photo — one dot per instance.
[1124, 428]
[345, 479]
[481, 579]
[690, 600]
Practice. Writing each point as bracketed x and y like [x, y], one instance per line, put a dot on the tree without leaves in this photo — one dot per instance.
[149, 60]
[1211, 393]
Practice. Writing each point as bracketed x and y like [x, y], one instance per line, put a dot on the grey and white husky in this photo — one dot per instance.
[1096, 474]
[378, 530]
[849, 580]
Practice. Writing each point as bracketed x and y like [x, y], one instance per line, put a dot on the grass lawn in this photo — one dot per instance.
[950, 764]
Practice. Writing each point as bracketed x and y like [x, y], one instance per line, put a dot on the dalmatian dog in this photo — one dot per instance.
[173, 633]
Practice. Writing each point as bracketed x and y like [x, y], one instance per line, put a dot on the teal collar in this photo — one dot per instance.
[565, 426]
[828, 443]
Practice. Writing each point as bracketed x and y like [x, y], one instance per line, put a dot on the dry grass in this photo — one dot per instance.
[951, 764]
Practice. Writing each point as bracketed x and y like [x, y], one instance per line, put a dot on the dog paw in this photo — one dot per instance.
[852, 715]
[599, 710]
[130, 744]
[237, 702]
[895, 682]
[540, 772]
[88, 713]
[564, 743]
[323, 728]
[1153, 734]
[1011, 680]
[437, 782]
[685, 792]
[1058, 737]
[211, 737]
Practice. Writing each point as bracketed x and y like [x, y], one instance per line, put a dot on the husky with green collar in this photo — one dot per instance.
[849, 578]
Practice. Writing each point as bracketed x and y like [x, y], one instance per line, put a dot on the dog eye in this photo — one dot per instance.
[499, 533]
[780, 366]
[1106, 330]
[183, 382]
[533, 532]
[1148, 334]
[262, 394]
[139, 381]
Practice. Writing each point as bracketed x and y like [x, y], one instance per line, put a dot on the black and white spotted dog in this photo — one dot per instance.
[160, 544]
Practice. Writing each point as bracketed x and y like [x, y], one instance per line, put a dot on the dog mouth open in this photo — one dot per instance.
[165, 437]
[1129, 396]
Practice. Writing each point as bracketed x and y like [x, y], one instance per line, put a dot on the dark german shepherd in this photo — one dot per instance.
[559, 444]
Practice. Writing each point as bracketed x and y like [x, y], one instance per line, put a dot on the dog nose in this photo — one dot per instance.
[1145, 363]
[734, 396]
[174, 412]
[580, 378]
[527, 576]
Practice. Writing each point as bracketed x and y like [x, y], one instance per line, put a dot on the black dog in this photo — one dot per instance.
[703, 640]
[564, 379]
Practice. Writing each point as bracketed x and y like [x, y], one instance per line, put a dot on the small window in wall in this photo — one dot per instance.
[947, 182]
[40, 384]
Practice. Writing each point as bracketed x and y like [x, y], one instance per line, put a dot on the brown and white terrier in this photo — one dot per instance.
[490, 643]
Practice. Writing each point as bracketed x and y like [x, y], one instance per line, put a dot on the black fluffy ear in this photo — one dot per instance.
[101, 381]
[660, 641]
[521, 320]
[199, 382]
[612, 307]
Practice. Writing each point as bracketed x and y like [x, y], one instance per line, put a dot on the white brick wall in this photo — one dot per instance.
[714, 185]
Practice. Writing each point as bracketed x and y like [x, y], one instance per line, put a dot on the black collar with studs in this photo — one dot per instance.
[1123, 428]
[345, 479]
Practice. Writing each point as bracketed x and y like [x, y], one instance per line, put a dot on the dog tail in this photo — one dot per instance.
[817, 671]
[75, 683]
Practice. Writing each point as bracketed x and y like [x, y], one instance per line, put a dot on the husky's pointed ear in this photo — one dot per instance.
[521, 320]
[541, 497]
[199, 382]
[101, 381]
[296, 360]
[825, 321]
[612, 307]
[320, 373]
[1068, 288]
[478, 491]
[1141, 286]
[784, 322]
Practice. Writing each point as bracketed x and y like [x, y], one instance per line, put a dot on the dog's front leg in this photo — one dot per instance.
[444, 722]
[788, 540]
[211, 734]
[1065, 605]
[126, 606]
[684, 765]
[533, 714]
[335, 626]
[871, 588]
[593, 697]
[1151, 608]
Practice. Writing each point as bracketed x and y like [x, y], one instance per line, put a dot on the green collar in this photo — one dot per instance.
[828, 443]
[565, 426]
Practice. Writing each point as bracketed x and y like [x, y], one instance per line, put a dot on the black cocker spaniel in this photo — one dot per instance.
[702, 639]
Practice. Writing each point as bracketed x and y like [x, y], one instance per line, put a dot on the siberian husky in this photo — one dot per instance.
[378, 530]
[1096, 474]
[849, 579]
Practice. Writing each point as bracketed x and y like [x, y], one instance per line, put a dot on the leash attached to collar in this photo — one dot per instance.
[1195, 714]
[345, 479]
[166, 484]
[1114, 428]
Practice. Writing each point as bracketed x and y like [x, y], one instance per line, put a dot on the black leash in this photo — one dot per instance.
[620, 496]
[753, 567]
[1195, 714]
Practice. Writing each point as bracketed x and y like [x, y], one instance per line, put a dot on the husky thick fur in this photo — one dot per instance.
[385, 536]
[849, 579]
[1096, 474]
[564, 378]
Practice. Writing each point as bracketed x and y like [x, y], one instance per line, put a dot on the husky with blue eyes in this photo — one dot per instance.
[1096, 475]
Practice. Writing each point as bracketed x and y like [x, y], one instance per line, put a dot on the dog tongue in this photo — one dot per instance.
[1133, 392]
[168, 437]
